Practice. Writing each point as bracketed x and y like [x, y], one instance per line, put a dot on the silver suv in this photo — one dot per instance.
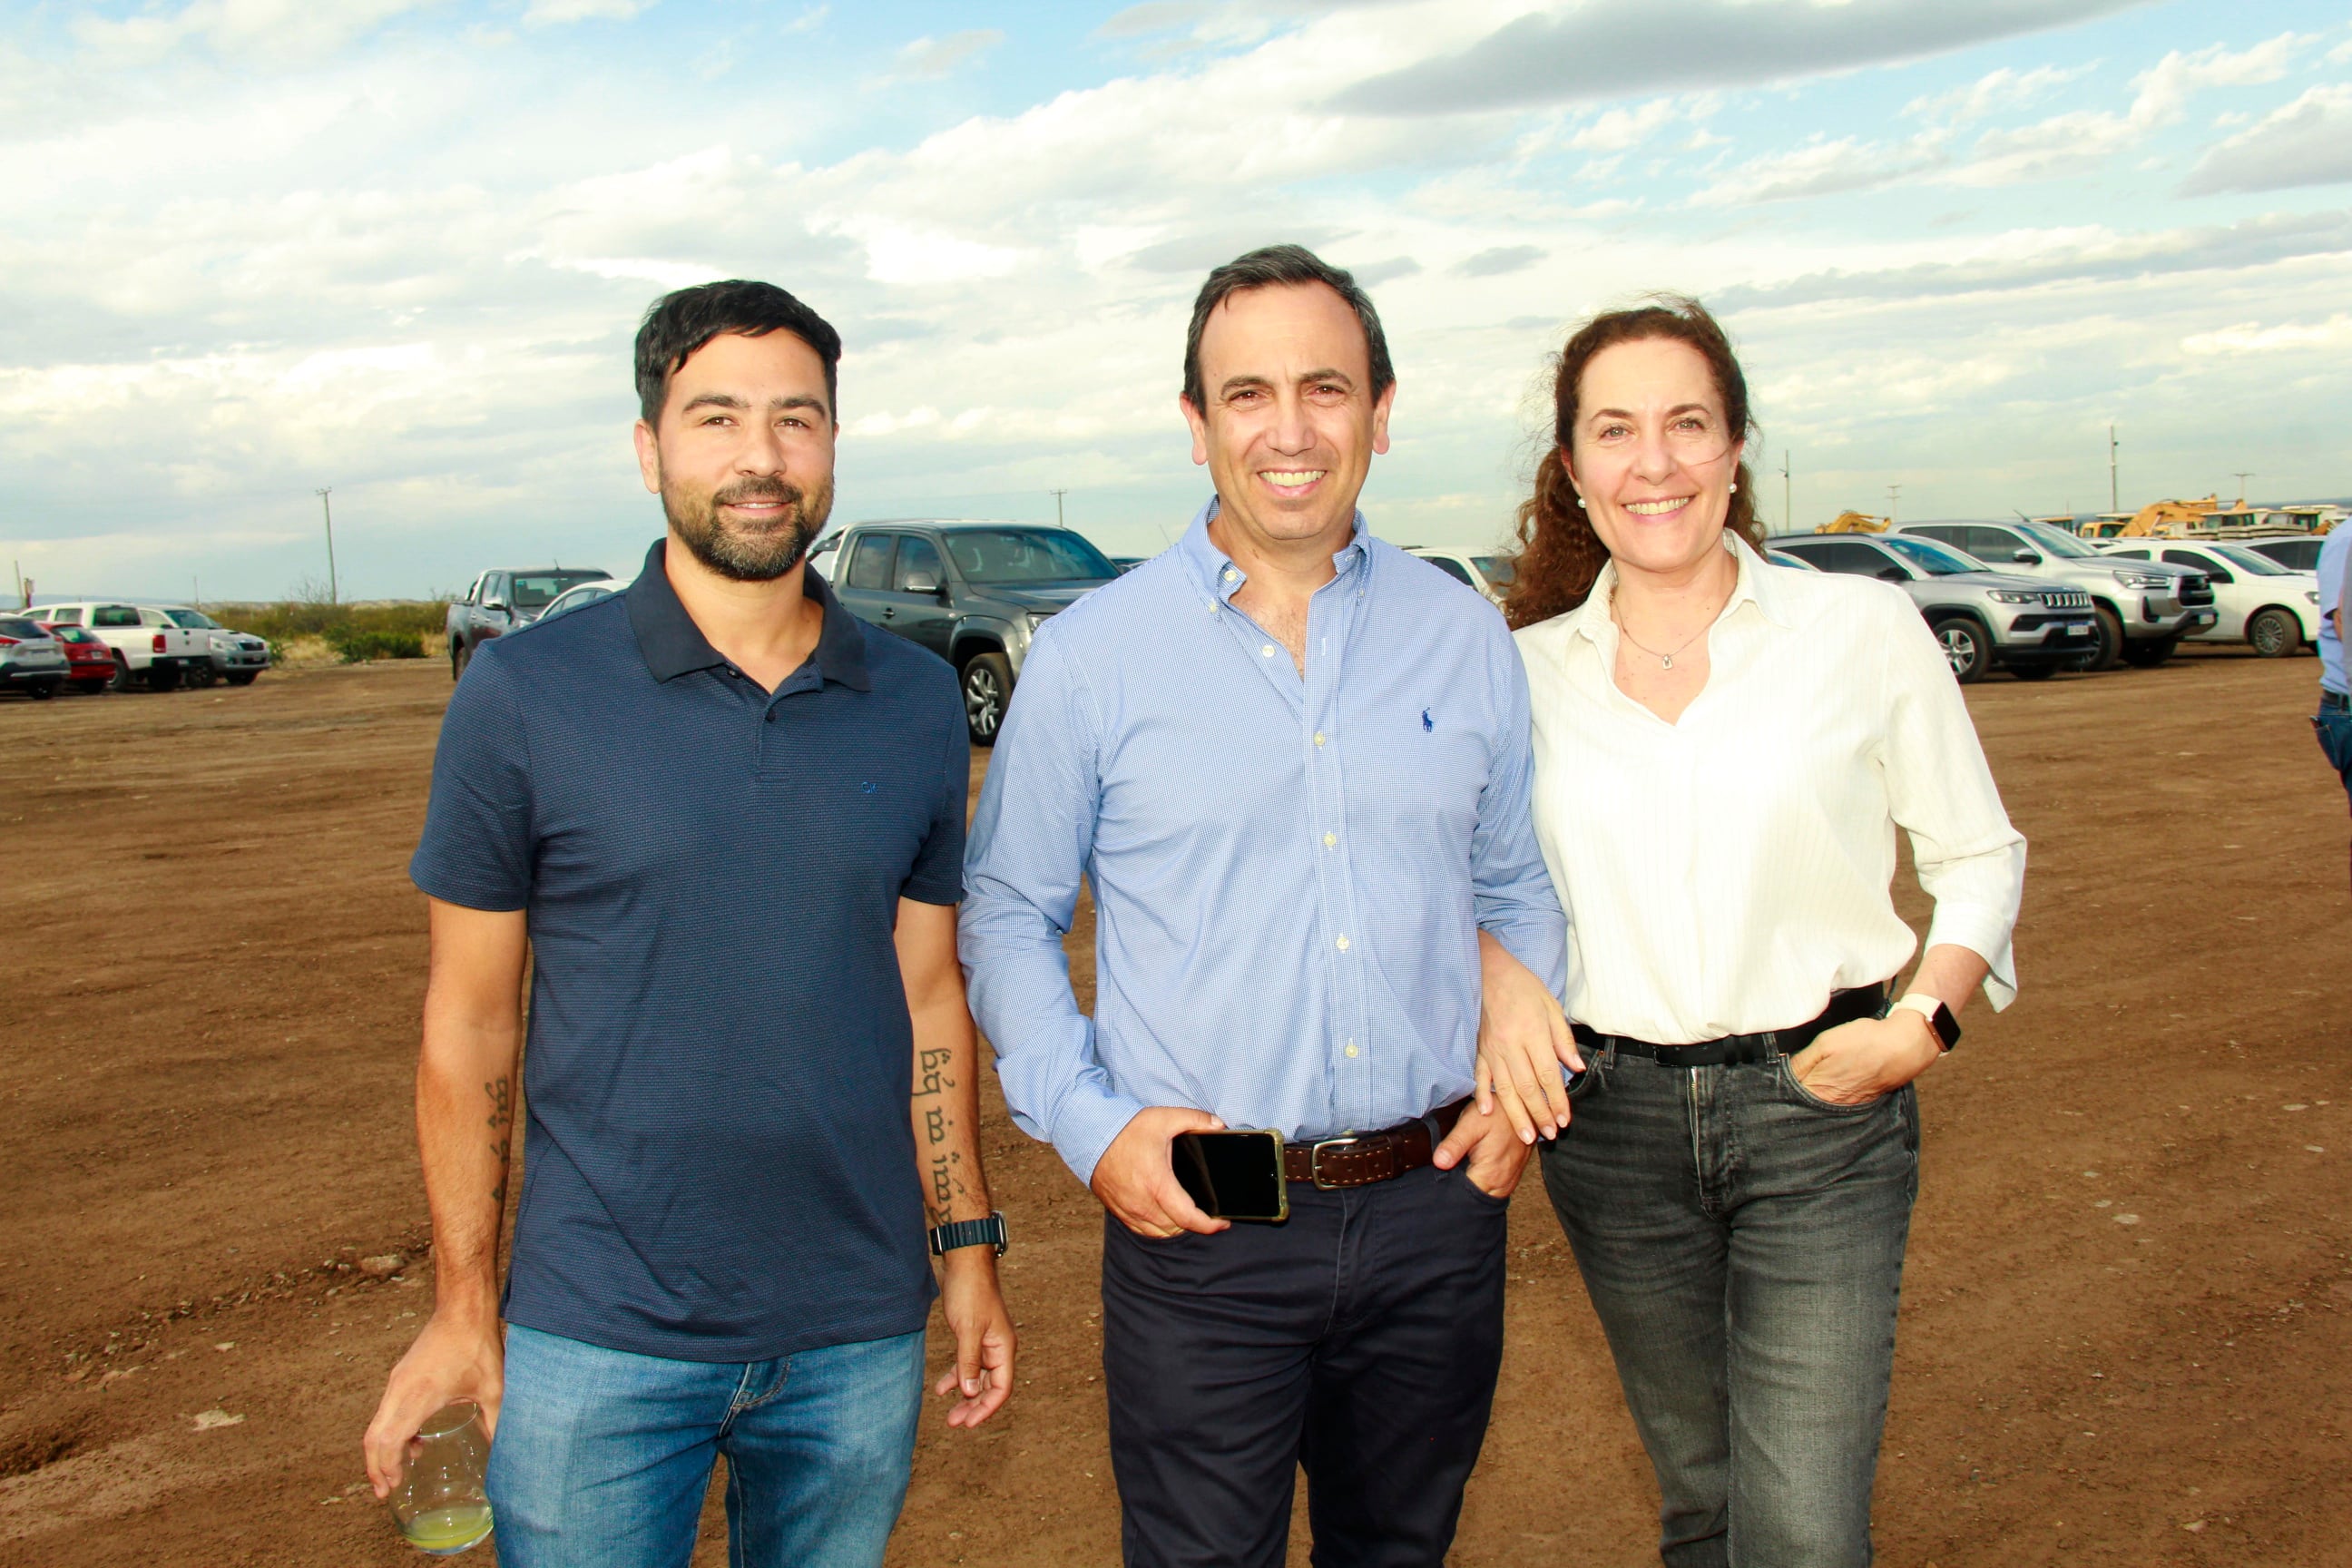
[2143, 609]
[2032, 629]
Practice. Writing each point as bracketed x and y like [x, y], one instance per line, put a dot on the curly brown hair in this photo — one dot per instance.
[1560, 555]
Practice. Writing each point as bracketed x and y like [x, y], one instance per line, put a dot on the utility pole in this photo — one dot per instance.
[2114, 502]
[1894, 497]
[329, 512]
[1057, 496]
[1788, 509]
[2243, 477]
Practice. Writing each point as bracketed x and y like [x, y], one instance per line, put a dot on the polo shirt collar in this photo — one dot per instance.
[1210, 566]
[672, 644]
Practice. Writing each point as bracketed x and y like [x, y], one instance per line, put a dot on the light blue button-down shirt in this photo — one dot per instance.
[1289, 872]
[2335, 576]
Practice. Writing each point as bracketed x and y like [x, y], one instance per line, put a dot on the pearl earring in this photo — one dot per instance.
[1580, 503]
[1735, 487]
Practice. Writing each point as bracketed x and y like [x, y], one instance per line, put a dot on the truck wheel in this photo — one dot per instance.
[1964, 648]
[460, 656]
[987, 686]
[2274, 634]
[41, 692]
[2110, 650]
[120, 681]
[243, 677]
[2151, 654]
[163, 677]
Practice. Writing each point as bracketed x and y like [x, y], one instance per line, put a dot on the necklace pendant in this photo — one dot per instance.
[1668, 661]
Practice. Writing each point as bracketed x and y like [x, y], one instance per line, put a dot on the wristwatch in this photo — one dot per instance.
[1940, 1018]
[946, 1238]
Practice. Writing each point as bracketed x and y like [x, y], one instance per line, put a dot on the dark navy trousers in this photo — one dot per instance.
[1360, 1339]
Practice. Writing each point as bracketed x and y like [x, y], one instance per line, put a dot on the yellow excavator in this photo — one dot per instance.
[2171, 518]
[1854, 522]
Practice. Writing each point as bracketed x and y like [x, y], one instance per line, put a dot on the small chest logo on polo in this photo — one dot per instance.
[1428, 725]
[865, 788]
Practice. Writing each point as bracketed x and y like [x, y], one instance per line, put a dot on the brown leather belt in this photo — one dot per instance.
[1360, 1160]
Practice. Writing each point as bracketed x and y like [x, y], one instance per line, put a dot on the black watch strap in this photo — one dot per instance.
[988, 1232]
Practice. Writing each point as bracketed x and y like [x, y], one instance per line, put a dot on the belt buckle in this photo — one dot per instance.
[1314, 1158]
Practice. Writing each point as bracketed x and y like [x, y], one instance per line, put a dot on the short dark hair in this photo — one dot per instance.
[678, 323]
[1274, 265]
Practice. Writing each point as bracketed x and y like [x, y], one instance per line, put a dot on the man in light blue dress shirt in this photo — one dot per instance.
[1294, 763]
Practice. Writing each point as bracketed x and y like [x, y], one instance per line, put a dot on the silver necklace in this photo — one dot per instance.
[1665, 659]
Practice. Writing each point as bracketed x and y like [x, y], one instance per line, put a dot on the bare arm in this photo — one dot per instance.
[945, 1108]
[466, 1095]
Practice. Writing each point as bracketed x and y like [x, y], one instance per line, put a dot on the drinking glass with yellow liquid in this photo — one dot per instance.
[439, 1504]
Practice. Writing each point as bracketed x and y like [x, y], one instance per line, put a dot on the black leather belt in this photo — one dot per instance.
[1359, 1160]
[1734, 1050]
[2335, 699]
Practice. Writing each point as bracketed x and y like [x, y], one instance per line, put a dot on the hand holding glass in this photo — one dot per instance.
[439, 1503]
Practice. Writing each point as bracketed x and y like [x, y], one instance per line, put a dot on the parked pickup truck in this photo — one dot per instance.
[973, 593]
[150, 649]
[503, 600]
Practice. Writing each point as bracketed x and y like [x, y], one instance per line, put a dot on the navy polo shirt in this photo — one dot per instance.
[717, 1160]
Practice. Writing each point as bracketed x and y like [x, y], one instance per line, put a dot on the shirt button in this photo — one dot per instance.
[1318, 737]
[1330, 841]
[1351, 1052]
[1230, 573]
[1343, 944]
[1267, 650]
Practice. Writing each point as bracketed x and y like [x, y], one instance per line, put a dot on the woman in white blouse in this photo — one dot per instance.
[1724, 752]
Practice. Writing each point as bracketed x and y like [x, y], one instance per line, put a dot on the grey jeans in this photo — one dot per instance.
[1742, 1243]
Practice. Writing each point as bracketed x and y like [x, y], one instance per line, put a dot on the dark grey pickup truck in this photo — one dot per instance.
[973, 593]
[504, 600]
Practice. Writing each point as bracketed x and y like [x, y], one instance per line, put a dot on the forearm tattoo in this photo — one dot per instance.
[944, 1165]
[501, 1118]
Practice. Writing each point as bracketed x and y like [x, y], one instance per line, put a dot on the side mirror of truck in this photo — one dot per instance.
[921, 582]
[494, 603]
[2026, 558]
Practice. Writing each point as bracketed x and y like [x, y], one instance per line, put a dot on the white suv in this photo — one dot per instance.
[2256, 600]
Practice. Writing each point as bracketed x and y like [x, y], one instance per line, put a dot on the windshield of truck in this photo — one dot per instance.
[193, 620]
[1934, 559]
[2055, 541]
[1496, 569]
[539, 589]
[1027, 555]
[114, 616]
[2253, 562]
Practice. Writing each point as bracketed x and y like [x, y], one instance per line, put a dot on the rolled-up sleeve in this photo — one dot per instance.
[1940, 791]
[1511, 888]
[1030, 843]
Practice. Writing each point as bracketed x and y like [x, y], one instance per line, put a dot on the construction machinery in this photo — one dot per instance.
[1854, 522]
[2171, 520]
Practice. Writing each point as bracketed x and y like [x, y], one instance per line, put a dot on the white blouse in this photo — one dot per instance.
[1725, 873]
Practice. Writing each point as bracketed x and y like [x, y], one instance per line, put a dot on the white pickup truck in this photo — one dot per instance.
[150, 649]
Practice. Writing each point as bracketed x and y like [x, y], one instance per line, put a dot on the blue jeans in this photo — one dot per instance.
[2333, 726]
[1742, 1243]
[602, 1457]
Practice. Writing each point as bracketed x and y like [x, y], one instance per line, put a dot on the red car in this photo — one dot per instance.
[89, 663]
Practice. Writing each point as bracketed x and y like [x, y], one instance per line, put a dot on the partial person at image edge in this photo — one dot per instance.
[2333, 722]
[724, 820]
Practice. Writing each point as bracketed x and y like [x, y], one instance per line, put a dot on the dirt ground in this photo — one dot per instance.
[2124, 1327]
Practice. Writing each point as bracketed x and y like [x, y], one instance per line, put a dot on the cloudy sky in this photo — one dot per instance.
[253, 247]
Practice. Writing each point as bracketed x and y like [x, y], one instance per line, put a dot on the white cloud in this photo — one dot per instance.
[2252, 338]
[554, 13]
[1619, 130]
[927, 58]
[2006, 87]
[1820, 168]
[267, 28]
[2306, 143]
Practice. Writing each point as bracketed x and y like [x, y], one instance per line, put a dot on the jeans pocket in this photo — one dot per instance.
[2335, 733]
[1811, 1101]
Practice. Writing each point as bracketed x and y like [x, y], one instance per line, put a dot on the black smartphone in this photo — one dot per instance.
[1233, 1175]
